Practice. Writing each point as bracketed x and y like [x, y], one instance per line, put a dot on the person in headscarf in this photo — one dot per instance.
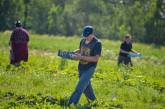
[19, 44]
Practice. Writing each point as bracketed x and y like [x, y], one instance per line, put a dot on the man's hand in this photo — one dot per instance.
[138, 53]
[78, 56]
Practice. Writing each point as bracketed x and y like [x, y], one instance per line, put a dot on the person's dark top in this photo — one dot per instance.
[19, 35]
[126, 47]
[91, 49]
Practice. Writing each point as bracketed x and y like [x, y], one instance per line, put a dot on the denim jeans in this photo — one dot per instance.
[83, 86]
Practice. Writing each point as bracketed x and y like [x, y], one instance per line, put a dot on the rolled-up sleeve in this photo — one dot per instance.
[98, 49]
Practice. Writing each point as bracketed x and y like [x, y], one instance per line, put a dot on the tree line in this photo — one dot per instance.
[143, 19]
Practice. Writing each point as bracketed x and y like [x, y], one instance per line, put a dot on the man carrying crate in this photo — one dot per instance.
[88, 53]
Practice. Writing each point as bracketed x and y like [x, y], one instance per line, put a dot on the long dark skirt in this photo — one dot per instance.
[18, 53]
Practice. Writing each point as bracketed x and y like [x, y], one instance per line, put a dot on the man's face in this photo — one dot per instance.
[88, 38]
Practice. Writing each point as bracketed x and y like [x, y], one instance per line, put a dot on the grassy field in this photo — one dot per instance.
[47, 81]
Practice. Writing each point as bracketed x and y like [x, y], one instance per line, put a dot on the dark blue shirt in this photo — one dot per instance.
[91, 49]
[126, 47]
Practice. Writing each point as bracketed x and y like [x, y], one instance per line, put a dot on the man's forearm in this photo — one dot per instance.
[77, 51]
[133, 51]
[123, 51]
[90, 58]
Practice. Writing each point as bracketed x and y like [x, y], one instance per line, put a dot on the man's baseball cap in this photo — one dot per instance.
[87, 31]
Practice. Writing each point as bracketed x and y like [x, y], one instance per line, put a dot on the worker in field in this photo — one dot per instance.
[19, 44]
[125, 50]
[88, 55]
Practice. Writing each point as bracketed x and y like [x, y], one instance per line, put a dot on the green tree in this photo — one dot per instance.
[143, 19]
[155, 26]
[38, 15]
[10, 11]
[26, 11]
[55, 20]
